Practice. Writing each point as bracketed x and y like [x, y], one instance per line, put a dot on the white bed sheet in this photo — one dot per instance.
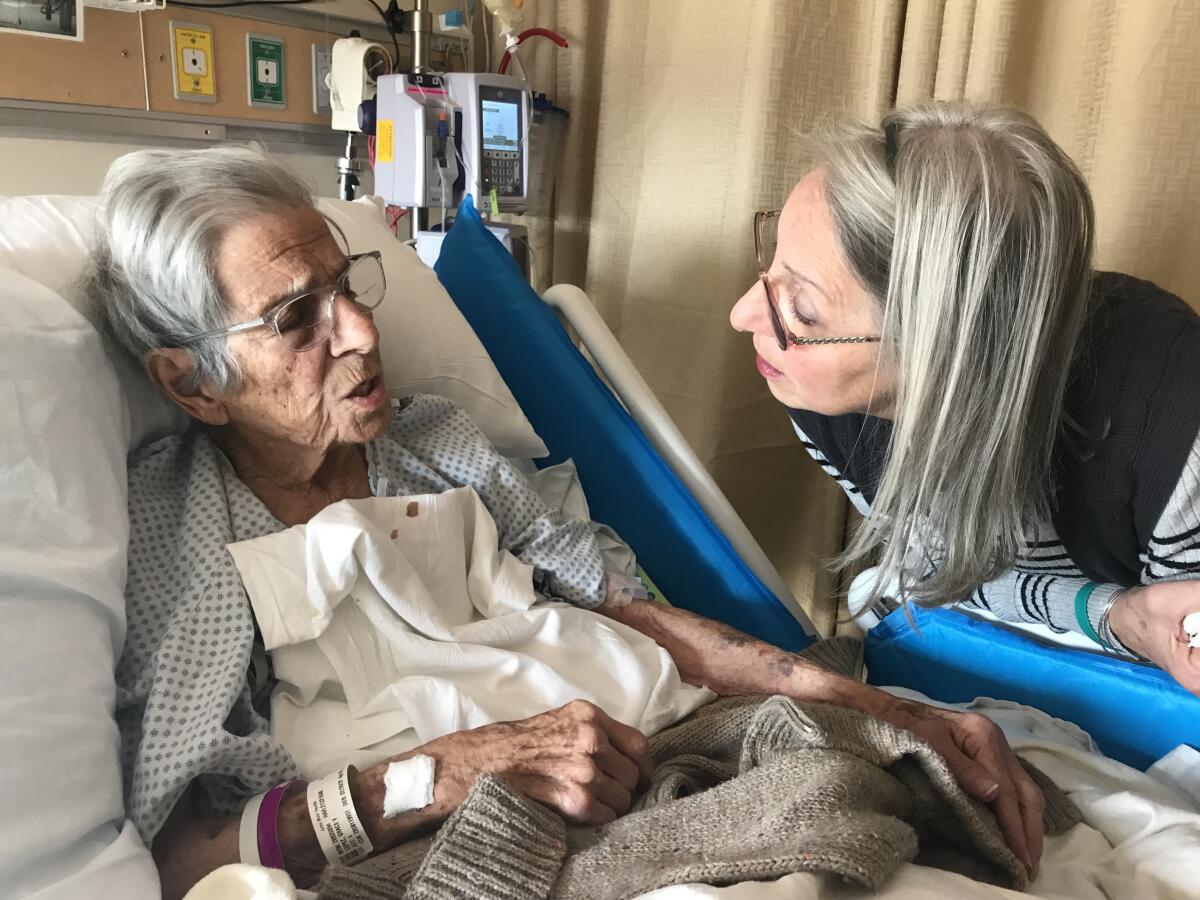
[394, 621]
[121, 870]
[1140, 838]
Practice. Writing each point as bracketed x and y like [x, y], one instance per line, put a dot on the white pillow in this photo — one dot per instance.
[425, 343]
[63, 536]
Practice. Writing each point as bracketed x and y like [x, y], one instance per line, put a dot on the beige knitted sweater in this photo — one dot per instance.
[745, 789]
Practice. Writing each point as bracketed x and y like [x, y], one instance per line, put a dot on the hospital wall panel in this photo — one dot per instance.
[104, 69]
[53, 141]
[229, 52]
[45, 166]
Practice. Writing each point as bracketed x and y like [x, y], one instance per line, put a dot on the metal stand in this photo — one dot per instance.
[348, 167]
[421, 28]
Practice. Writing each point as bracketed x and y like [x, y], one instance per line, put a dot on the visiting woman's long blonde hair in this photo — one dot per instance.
[977, 241]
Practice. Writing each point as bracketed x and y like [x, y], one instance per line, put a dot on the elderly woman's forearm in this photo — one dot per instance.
[189, 846]
[711, 654]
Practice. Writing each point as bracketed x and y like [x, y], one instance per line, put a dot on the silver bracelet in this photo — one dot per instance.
[1105, 627]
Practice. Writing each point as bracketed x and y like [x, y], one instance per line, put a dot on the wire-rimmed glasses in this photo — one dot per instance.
[306, 320]
[766, 225]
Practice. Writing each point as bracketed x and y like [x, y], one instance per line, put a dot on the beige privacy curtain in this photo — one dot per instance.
[687, 115]
[1115, 82]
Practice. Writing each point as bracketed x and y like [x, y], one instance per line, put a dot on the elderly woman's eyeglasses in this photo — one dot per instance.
[785, 320]
[306, 320]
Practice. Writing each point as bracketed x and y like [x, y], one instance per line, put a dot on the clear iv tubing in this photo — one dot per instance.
[516, 61]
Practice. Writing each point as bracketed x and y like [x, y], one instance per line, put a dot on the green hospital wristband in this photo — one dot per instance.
[1081, 611]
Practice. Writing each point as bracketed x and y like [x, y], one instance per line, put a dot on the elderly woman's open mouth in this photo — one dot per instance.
[369, 393]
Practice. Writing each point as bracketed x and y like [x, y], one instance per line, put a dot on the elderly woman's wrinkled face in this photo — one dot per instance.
[810, 273]
[331, 394]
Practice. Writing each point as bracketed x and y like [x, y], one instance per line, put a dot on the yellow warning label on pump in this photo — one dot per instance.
[495, 202]
[195, 69]
[384, 141]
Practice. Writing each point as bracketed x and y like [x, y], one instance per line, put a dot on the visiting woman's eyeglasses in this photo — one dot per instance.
[306, 320]
[784, 320]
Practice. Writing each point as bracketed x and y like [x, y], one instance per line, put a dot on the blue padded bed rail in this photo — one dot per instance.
[628, 485]
[1136, 714]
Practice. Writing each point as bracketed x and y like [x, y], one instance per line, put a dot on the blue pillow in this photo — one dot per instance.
[1136, 714]
[628, 485]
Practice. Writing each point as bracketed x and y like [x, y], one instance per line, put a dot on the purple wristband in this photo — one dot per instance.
[269, 853]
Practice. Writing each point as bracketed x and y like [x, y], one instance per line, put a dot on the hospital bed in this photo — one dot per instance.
[72, 408]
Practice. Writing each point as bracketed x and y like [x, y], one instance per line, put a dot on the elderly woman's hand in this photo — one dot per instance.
[986, 767]
[1149, 621]
[575, 759]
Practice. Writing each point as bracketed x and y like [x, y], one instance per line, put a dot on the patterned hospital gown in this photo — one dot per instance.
[186, 705]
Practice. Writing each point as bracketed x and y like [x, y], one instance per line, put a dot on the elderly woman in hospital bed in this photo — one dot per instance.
[215, 270]
[1019, 430]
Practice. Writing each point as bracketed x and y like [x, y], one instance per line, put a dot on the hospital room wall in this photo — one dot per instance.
[130, 50]
[51, 166]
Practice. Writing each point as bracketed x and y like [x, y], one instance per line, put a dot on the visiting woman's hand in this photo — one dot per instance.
[986, 767]
[574, 759]
[1149, 621]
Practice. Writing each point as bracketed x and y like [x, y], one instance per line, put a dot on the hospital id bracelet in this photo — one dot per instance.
[342, 837]
[258, 831]
[269, 851]
[248, 831]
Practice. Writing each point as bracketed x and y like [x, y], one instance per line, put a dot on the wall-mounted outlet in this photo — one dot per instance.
[193, 67]
[265, 71]
[195, 61]
[322, 64]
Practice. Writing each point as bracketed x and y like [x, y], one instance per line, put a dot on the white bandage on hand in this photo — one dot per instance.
[621, 590]
[408, 785]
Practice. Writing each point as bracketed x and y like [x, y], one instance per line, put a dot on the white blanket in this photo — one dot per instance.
[394, 621]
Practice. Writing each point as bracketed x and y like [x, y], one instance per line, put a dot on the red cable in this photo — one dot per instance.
[528, 33]
[394, 215]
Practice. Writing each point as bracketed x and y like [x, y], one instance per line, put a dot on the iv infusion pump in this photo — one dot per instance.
[440, 136]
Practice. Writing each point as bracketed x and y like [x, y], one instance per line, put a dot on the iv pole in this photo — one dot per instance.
[421, 27]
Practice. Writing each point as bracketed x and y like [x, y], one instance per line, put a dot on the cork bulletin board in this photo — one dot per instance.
[106, 68]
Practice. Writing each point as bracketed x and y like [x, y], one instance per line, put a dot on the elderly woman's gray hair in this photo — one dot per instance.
[163, 214]
[976, 240]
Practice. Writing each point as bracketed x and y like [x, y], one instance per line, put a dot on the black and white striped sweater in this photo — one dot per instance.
[1042, 587]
